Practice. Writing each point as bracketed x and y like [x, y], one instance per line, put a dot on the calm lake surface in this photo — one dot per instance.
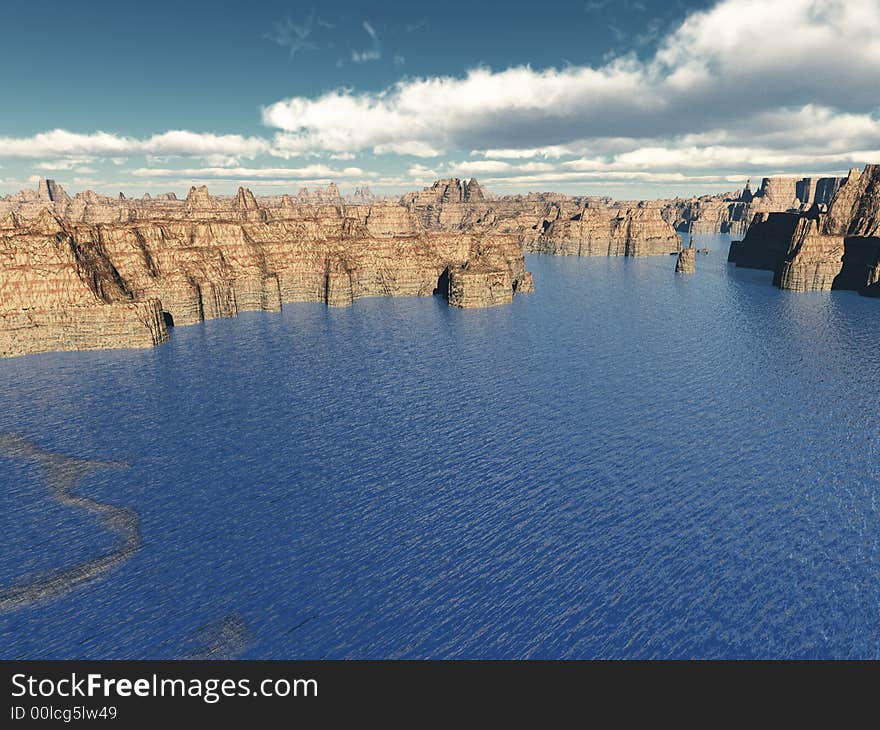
[626, 463]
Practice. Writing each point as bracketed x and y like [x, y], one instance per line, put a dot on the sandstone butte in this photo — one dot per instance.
[824, 247]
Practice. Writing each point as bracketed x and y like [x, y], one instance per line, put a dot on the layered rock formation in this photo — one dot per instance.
[59, 293]
[734, 212]
[91, 271]
[115, 272]
[362, 196]
[547, 222]
[476, 286]
[451, 190]
[825, 247]
[840, 248]
[320, 196]
[597, 230]
[686, 263]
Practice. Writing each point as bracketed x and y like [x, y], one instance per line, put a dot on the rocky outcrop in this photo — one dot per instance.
[450, 190]
[596, 230]
[48, 191]
[734, 212]
[779, 192]
[686, 263]
[708, 214]
[109, 326]
[319, 196]
[119, 275]
[818, 190]
[834, 246]
[840, 248]
[452, 204]
[29, 203]
[362, 196]
[478, 286]
[58, 294]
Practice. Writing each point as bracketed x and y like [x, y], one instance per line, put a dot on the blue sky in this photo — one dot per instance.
[635, 98]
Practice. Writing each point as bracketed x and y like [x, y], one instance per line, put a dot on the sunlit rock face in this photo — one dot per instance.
[597, 230]
[58, 292]
[479, 286]
[116, 272]
[686, 263]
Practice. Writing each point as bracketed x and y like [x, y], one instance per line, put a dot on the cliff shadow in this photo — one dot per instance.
[168, 318]
[766, 242]
[861, 254]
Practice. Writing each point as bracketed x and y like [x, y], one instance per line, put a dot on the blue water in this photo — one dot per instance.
[626, 463]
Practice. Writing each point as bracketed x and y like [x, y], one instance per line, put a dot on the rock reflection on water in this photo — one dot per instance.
[225, 638]
[61, 473]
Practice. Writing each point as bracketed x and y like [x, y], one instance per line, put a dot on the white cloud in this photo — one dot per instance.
[65, 164]
[61, 143]
[727, 67]
[235, 173]
[745, 87]
[484, 167]
[414, 148]
[420, 171]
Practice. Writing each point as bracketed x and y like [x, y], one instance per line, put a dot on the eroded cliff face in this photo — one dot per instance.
[825, 247]
[839, 249]
[734, 212]
[596, 230]
[117, 273]
[60, 293]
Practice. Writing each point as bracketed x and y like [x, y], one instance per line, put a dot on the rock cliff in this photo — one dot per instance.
[840, 248]
[734, 212]
[834, 246]
[60, 293]
[597, 230]
[117, 272]
[765, 243]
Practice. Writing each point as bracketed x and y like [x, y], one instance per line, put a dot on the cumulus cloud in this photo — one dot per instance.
[727, 68]
[413, 147]
[236, 173]
[743, 87]
[61, 143]
[77, 164]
